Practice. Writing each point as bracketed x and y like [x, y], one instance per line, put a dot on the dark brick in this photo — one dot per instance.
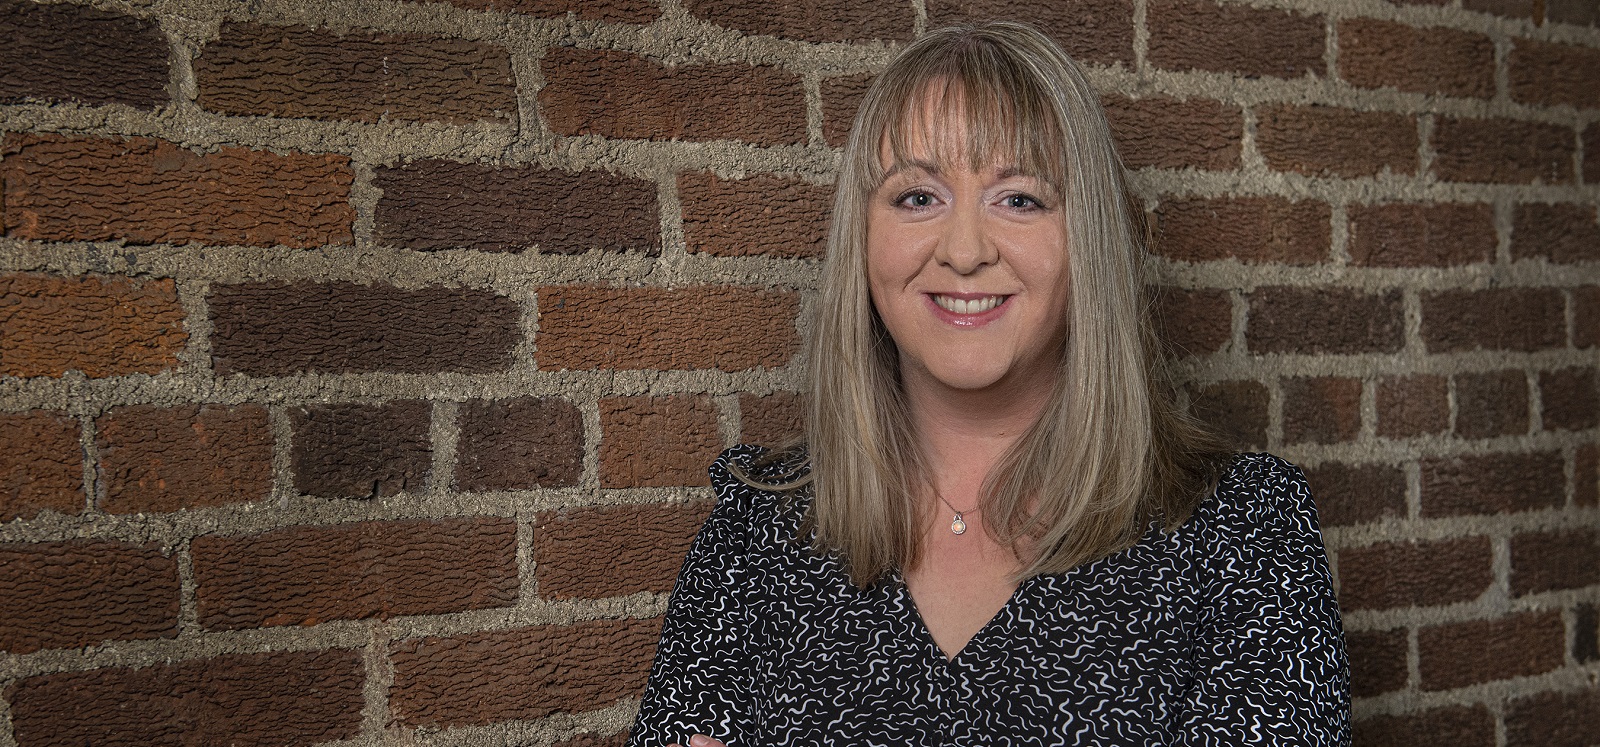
[1491, 484]
[1375, 54]
[1591, 154]
[590, 739]
[1174, 134]
[1194, 322]
[1356, 494]
[1524, 319]
[1520, 9]
[1565, 234]
[1416, 235]
[615, 11]
[361, 451]
[1580, 12]
[721, 327]
[158, 459]
[1569, 399]
[518, 444]
[1324, 409]
[1502, 150]
[78, 593]
[1249, 229]
[1324, 321]
[1586, 317]
[1196, 34]
[1586, 638]
[1555, 560]
[1469, 653]
[841, 96]
[1328, 141]
[1416, 405]
[1586, 478]
[1414, 574]
[657, 441]
[1237, 409]
[1553, 719]
[100, 326]
[771, 420]
[1457, 726]
[612, 551]
[1491, 404]
[41, 464]
[1377, 662]
[1090, 30]
[77, 53]
[1550, 73]
[813, 21]
[754, 216]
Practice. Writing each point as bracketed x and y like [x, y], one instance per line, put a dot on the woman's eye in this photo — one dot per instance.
[916, 199]
[1021, 202]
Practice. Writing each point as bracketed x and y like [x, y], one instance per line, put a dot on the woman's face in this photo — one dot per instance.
[968, 269]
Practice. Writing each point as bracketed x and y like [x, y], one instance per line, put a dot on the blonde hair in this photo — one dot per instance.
[1112, 451]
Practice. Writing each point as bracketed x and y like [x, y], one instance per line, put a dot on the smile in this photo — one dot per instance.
[968, 306]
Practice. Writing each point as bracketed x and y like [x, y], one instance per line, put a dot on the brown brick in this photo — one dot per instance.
[523, 674]
[771, 420]
[249, 700]
[1375, 54]
[1554, 560]
[1324, 320]
[590, 739]
[1416, 405]
[1491, 484]
[1415, 235]
[78, 593]
[1202, 35]
[1586, 317]
[1591, 154]
[1580, 12]
[1461, 654]
[1586, 478]
[1194, 322]
[310, 575]
[41, 464]
[145, 191]
[276, 329]
[1565, 234]
[1414, 574]
[1502, 150]
[1522, 9]
[1491, 404]
[1569, 399]
[100, 326]
[616, 94]
[1356, 494]
[1328, 141]
[841, 96]
[293, 71]
[1457, 726]
[1377, 662]
[1549, 73]
[1090, 30]
[1586, 638]
[615, 11]
[1171, 133]
[727, 328]
[519, 443]
[1324, 409]
[361, 451]
[754, 216]
[77, 53]
[612, 551]
[1249, 229]
[1237, 409]
[657, 441]
[1523, 319]
[158, 459]
[430, 205]
[1553, 719]
[815, 21]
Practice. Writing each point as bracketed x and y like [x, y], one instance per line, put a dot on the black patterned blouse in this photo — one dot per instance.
[1222, 632]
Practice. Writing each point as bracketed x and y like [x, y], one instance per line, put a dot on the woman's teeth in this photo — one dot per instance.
[962, 306]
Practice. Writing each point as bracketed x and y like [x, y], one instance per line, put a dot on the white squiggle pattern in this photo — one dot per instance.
[1223, 632]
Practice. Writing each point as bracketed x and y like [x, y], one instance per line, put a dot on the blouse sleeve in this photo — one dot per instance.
[1270, 664]
[701, 681]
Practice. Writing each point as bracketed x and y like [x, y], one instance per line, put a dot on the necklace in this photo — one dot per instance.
[958, 525]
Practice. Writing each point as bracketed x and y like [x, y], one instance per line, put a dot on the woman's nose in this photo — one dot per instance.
[965, 246]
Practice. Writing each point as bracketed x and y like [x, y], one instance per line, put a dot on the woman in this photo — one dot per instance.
[1000, 529]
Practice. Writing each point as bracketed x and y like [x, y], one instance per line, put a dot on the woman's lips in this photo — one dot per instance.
[968, 309]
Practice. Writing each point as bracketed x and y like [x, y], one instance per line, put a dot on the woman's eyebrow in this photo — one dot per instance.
[900, 166]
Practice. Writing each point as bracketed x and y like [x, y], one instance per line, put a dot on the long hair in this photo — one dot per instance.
[1112, 451]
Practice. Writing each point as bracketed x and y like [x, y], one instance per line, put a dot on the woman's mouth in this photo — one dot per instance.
[976, 305]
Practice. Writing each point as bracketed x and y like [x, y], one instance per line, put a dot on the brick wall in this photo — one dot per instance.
[362, 358]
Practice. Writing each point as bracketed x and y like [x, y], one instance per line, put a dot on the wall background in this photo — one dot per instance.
[362, 359]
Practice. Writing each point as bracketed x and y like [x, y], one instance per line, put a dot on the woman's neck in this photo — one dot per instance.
[963, 434]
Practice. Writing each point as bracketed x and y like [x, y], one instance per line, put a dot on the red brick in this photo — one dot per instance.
[1416, 235]
[1377, 662]
[1580, 12]
[615, 11]
[841, 96]
[1502, 150]
[1491, 484]
[81, 54]
[771, 420]
[814, 21]
[1414, 574]
[1565, 234]
[1324, 320]
[613, 551]
[1545, 561]
[1325, 409]
[1469, 653]
[1201, 35]
[1356, 494]
[78, 593]
[1586, 478]
[249, 700]
[1194, 322]
[1553, 719]
[1549, 73]
[1328, 141]
[1090, 30]
[754, 216]
[1415, 405]
[1236, 409]
[522, 674]
[293, 71]
[518, 444]
[1375, 54]
[310, 575]
[431, 205]
[277, 329]
[1524, 319]
[657, 441]
[1249, 229]
[1173, 133]
[41, 465]
[721, 327]
[100, 326]
[1457, 726]
[616, 94]
[1586, 317]
[145, 191]
[361, 451]
[158, 459]
[1569, 399]
[1491, 404]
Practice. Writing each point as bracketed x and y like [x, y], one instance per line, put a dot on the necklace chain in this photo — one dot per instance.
[958, 525]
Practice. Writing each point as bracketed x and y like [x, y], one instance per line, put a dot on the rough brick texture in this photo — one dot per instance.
[1496, 319]
[614, 550]
[80, 54]
[727, 328]
[100, 326]
[1554, 560]
[275, 329]
[1377, 54]
[772, 419]
[1357, 494]
[1194, 322]
[1559, 233]
[71, 594]
[1377, 662]
[1174, 134]
[1461, 654]
[1553, 719]
[1249, 229]
[593, 740]
[1237, 409]
[292, 71]
[41, 465]
[657, 441]
[754, 216]
[155, 459]
[1491, 404]
[1502, 150]
[617, 11]
[841, 97]
[1324, 409]
[1466, 726]
[1569, 399]
[1203, 35]
[146, 191]
[1324, 320]
[1491, 483]
[1090, 30]
[1413, 405]
[309, 575]
[431, 205]
[361, 451]
[1586, 479]
[1406, 574]
[1416, 235]
[1586, 317]
[816, 21]
[520, 443]
[1552, 73]
[1591, 154]
[1327, 141]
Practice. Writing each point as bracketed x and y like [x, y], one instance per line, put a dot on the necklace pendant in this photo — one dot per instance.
[957, 525]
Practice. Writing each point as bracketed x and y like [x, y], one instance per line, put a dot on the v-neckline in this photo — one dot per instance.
[920, 625]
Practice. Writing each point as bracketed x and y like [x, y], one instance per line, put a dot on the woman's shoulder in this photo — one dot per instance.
[1257, 491]
[757, 483]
